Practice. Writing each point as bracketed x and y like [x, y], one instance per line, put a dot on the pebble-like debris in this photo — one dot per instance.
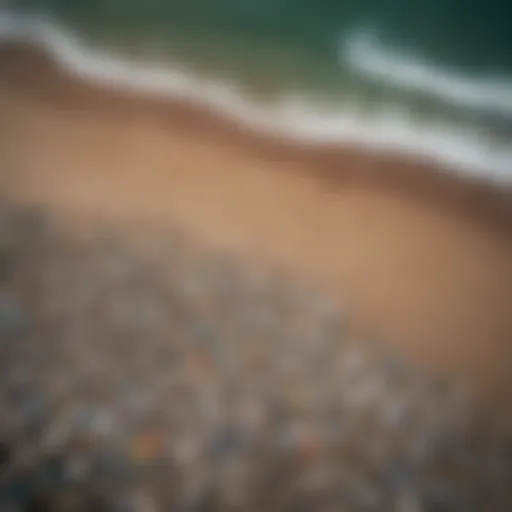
[154, 376]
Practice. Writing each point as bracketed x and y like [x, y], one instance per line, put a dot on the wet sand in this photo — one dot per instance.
[420, 259]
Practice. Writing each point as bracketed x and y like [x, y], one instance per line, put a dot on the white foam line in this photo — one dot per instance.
[367, 55]
[388, 130]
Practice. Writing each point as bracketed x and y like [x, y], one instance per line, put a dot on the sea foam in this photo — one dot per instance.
[387, 129]
[367, 55]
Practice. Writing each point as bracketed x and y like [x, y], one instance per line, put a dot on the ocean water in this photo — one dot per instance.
[431, 78]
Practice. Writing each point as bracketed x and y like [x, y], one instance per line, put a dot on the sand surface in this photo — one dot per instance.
[419, 259]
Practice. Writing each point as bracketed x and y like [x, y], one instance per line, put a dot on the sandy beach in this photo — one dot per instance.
[420, 258]
[194, 316]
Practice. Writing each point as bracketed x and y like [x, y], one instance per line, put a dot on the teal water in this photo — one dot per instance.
[470, 33]
[466, 35]
[442, 61]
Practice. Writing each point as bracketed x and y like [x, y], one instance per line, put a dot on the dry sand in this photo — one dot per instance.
[421, 259]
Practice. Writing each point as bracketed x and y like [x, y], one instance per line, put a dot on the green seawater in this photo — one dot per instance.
[472, 33]
[268, 47]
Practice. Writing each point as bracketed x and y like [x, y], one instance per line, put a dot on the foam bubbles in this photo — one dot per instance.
[366, 55]
[387, 129]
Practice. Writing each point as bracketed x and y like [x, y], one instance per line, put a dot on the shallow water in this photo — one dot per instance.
[432, 78]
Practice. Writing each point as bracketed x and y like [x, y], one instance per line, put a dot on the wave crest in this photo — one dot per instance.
[388, 129]
[395, 67]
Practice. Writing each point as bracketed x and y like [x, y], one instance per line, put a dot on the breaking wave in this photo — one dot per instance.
[386, 129]
[396, 67]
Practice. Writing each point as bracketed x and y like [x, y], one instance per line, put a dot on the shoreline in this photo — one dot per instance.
[22, 65]
[385, 132]
[422, 255]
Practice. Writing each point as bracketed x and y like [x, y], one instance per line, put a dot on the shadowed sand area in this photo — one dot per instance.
[420, 259]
